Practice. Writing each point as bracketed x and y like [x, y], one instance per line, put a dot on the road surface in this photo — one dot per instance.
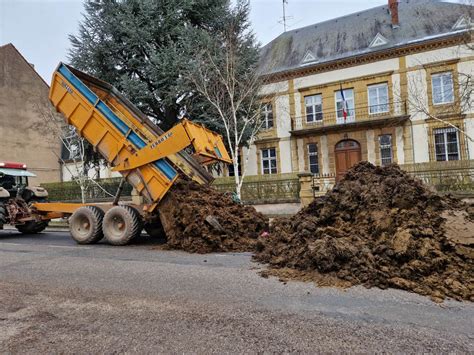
[56, 296]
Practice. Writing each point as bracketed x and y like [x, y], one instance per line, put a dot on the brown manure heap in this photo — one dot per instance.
[200, 219]
[377, 227]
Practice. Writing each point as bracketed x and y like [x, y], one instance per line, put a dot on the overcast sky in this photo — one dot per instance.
[40, 28]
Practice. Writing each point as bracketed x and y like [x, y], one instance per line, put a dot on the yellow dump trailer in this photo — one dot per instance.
[148, 158]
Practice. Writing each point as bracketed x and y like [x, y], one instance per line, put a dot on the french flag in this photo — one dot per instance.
[344, 105]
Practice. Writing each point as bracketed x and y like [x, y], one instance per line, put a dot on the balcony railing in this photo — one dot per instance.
[393, 111]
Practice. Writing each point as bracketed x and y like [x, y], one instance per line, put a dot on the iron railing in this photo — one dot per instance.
[258, 190]
[393, 109]
[446, 176]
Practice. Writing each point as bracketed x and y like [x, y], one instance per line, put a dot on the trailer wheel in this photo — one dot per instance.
[122, 224]
[32, 227]
[85, 225]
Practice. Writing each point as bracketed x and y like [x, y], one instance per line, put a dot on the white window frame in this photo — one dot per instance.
[443, 93]
[385, 146]
[267, 110]
[379, 107]
[314, 104]
[269, 158]
[350, 118]
[313, 154]
[445, 132]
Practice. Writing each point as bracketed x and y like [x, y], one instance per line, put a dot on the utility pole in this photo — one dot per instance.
[284, 14]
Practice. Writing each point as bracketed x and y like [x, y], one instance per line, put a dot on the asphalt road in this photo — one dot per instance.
[58, 297]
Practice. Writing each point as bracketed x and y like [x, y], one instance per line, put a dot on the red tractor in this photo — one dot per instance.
[16, 197]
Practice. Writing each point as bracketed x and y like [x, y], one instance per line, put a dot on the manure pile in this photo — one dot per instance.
[378, 227]
[200, 219]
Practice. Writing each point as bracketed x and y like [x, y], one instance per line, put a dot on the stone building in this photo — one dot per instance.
[389, 84]
[24, 135]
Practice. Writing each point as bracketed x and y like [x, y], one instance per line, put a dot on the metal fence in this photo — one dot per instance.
[450, 176]
[257, 190]
[265, 190]
[447, 177]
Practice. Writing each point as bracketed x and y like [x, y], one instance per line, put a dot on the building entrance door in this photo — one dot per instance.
[347, 154]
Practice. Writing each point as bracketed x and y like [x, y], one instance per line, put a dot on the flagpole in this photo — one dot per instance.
[344, 104]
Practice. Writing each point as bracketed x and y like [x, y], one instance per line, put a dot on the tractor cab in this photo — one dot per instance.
[14, 181]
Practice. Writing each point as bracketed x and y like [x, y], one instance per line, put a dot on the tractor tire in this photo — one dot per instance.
[32, 227]
[3, 214]
[122, 224]
[85, 225]
[154, 229]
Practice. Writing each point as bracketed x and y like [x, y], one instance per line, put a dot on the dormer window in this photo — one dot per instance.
[462, 23]
[378, 41]
[309, 57]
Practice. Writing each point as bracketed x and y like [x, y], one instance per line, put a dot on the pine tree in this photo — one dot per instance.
[143, 48]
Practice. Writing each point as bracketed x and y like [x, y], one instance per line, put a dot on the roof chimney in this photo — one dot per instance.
[393, 6]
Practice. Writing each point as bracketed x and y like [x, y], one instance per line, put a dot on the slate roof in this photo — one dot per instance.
[352, 34]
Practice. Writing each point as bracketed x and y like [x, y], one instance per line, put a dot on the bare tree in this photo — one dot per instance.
[417, 99]
[238, 106]
[418, 82]
[75, 148]
[227, 77]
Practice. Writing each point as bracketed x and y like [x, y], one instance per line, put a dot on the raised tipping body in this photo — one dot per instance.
[148, 158]
[106, 120]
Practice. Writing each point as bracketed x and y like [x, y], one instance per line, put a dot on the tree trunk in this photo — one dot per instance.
[235, 163]
[238, 185]
[169, 118]
[83, 193]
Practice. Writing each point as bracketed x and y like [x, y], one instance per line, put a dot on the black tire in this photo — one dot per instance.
[85, 225]
[3, 214]
[155, 230]
[32, 227]
[121, 224]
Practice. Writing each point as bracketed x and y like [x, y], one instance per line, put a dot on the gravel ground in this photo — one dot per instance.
[57, 297]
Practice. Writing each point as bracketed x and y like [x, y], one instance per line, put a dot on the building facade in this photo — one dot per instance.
[24, 133]
[392, 84]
